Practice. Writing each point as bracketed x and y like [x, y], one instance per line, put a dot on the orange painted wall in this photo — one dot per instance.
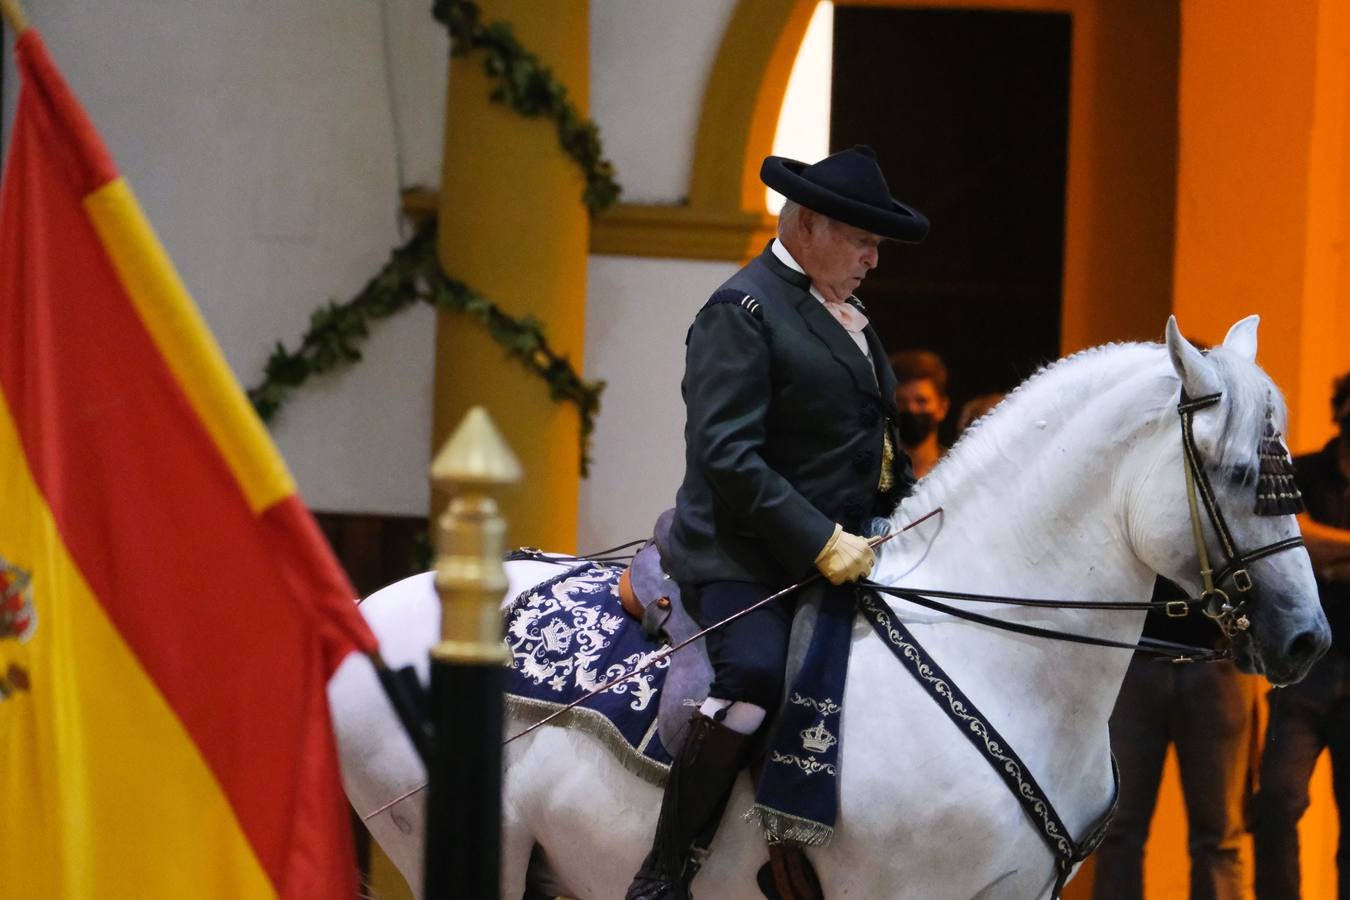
[1122, 164]
[1262, 202]
[1261, 188]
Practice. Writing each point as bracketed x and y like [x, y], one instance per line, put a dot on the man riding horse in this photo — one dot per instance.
[790, 447]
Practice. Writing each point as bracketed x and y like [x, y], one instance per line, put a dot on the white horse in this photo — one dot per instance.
[1073, 489]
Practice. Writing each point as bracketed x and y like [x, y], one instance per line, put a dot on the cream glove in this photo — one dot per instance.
[845, 557]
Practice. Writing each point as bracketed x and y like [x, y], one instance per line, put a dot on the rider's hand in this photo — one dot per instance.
[845, 557]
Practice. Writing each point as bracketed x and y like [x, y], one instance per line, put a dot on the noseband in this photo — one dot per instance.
[1226, 610]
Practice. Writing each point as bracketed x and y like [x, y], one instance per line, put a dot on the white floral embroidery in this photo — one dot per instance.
[916, 658]
[826, 707]
[556, 636]
[808, 764]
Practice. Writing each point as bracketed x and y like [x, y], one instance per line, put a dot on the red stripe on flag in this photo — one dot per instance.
[64, 129]
[223, 610]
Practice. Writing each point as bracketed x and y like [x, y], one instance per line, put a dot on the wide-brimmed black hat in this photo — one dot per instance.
[847, 186]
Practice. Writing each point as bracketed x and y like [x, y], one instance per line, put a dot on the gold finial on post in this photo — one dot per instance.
[468, 671]
[14, 15]
[471, 540]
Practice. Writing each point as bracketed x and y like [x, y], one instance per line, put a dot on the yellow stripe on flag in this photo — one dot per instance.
[149, 278]
[102, 792]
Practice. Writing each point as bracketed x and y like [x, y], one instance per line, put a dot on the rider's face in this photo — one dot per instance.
[839, 256]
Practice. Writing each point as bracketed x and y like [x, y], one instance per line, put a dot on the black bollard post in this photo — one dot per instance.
[463, 841]
[464, 807]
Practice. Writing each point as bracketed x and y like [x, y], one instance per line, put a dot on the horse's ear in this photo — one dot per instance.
[1241, 338]
[1196, 373]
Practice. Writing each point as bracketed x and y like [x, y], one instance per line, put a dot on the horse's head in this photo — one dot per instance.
[1263, 591]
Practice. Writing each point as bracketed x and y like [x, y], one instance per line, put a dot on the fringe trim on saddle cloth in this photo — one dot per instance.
[602, 729]
[780, 827]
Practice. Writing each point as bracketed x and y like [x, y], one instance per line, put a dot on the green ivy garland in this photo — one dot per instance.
[529, 88]
[413, 273]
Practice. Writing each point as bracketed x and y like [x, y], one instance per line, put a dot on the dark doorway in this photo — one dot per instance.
[968, 113]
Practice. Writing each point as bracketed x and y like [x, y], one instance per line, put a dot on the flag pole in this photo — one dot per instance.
[14, 15]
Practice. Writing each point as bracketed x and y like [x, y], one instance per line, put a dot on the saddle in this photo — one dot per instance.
[653, 598]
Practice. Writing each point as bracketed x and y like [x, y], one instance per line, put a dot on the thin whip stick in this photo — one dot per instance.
[664, 654]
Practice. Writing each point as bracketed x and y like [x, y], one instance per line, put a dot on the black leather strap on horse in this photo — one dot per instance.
[1165, 649]
[1219, 607]
[987, 740]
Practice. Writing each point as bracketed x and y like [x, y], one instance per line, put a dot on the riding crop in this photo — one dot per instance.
[664, 654]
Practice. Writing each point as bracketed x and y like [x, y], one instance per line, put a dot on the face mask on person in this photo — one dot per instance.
[914, 428]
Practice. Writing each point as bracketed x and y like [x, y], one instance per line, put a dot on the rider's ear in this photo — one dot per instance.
[1196, 373]
[1241, 338]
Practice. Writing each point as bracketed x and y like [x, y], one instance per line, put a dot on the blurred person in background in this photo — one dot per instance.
[1314, 714]
[922, 403]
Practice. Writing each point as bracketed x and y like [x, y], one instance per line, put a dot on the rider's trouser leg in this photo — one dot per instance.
[700, 780]
[748, 657]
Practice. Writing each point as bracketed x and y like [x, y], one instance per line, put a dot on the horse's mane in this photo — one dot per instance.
[1110, 372]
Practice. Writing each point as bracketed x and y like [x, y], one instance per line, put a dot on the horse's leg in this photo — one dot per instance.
[517, 846]
[401, 831]
[592, 819]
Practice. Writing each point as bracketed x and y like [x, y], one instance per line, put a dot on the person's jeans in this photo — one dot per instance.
[1206, 709]
[1304, 718]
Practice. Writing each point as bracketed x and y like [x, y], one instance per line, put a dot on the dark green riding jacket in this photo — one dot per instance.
[783, 432]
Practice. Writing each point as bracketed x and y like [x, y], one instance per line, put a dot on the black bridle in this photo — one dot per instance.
[1214, 601]
[1227, 611]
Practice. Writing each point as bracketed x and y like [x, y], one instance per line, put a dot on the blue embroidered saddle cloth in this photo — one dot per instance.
[567, 637]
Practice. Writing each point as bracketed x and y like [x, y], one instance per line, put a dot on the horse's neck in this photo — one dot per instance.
[1030, 499]
[1031, 510]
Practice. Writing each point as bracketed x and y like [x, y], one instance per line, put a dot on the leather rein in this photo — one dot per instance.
[1216, 603]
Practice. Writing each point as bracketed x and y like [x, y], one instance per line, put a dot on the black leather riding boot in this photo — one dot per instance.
[696, 792]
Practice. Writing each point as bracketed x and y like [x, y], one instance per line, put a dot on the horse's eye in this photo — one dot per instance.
[1241, 476]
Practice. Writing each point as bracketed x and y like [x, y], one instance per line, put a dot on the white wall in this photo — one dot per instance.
[650, 62]
[259, 138]
[637, 313]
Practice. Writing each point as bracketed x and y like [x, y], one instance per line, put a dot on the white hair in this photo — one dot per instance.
[788, 217]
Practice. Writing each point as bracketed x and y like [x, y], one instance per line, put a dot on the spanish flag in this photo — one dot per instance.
[169, 612]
